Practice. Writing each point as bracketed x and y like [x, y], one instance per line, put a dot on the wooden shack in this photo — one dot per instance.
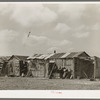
[3, 63]
[37, 63]
[16, 65]
[78, 62]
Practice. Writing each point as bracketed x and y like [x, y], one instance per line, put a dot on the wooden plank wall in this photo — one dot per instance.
[96, 67]
[83, 68]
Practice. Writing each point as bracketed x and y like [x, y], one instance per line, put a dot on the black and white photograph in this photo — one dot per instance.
[49, 46]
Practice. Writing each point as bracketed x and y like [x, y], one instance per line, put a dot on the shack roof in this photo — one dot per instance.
[57, 55]
[50, 55]
[37, 56]
[4, 59]
[41, 56]
[76, 54]
[69, 55]
[19, 57]
[65, 55]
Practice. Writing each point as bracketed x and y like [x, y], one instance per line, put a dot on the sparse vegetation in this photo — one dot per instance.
[29, 83]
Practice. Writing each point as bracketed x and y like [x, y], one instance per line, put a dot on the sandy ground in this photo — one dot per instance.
[25, 83]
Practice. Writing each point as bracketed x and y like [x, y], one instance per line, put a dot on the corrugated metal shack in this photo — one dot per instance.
[16, 65]
[78, 62]
[37, 64]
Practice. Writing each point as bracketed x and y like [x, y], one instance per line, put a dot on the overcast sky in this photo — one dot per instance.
[61, 27]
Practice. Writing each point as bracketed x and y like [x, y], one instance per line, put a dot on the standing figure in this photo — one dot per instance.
[65, 72]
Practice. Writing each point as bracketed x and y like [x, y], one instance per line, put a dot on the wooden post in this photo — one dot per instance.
[63, 62]
[46, 66]
[74, 68]
[95, 64]
[51, 70]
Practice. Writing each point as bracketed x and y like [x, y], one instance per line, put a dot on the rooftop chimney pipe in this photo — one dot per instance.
[54, 51]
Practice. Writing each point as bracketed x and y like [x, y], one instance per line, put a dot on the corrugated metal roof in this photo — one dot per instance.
[75, 54]
[41, 57]
[71, 55]
[4, 58]
[65, 55]
[57, 55]
[37, 56]
[34, 56]
[49, 55]
[78, 53]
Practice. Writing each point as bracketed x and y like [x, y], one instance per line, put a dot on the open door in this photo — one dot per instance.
[83, 68]
[52, 69]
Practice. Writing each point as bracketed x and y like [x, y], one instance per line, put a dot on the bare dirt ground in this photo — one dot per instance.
[25, 83]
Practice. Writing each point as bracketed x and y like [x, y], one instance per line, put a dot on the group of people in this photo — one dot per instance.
[65, 73]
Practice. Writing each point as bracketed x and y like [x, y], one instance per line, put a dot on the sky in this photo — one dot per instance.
[64, 27]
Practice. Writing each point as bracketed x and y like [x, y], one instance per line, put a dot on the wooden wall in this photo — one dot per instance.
[96, 67]
[68, 63]
[83, 68]
[39, 68]
[16, 67]
[59, 62]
